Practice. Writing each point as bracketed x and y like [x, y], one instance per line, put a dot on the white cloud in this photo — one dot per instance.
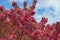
[55, 4]
[38, 17]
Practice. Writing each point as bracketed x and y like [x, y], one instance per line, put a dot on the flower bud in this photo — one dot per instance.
[25, 3]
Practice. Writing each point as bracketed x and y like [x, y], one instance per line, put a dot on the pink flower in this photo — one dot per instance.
[12, 37]
[36, 33]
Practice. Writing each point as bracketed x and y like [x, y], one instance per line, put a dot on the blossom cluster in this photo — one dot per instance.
[19, 24]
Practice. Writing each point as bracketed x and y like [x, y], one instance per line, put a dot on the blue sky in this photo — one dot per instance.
[46, 8]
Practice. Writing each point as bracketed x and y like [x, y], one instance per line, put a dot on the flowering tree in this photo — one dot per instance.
[18, 24]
